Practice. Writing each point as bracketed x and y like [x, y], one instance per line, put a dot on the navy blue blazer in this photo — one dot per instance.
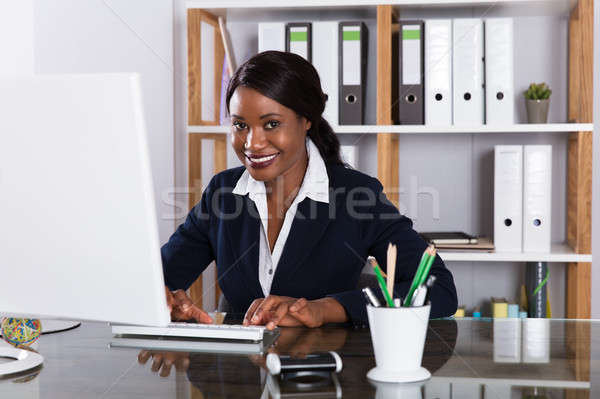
[323, 256]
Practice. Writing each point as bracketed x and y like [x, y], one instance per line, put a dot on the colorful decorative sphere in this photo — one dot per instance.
[20, 332]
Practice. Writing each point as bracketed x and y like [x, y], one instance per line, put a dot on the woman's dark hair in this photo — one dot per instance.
[293, 82]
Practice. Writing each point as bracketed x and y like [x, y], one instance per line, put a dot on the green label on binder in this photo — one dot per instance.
[411, 34]
[351, 35]
[298, 37]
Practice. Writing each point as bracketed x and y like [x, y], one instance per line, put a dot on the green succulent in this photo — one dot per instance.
[538, 92]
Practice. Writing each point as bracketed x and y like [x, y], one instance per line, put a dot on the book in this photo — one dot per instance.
[483, 245]
[449, 237]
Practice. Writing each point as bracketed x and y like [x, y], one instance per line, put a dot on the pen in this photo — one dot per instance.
[419, 296]
[429, 284]
[370, 297]
[430, 281]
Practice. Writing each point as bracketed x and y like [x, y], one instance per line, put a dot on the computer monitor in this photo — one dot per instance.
[78, 229]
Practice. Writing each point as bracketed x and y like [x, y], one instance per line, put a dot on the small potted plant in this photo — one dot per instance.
[537, 100]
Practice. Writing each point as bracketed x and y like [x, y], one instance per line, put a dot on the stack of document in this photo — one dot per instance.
[338, 51]
[522, 198]
[458, 241]
[456, 72]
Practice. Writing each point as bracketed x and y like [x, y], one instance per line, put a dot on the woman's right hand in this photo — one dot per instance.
[162, 361]
[182, 308]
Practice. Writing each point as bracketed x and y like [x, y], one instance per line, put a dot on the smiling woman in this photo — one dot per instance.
[291, 229]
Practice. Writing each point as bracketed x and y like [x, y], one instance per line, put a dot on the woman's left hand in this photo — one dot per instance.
[274, 311]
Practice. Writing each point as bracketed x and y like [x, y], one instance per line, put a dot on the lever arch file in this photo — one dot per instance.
[271, 36]
[508, 198]
[499, 90]
[438, 72]
[467, 71]
[537, 197]
[325, 60]
[411, 69]
[298, 39]
[352, 71]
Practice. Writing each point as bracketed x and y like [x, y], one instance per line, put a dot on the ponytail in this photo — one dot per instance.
[326, 141]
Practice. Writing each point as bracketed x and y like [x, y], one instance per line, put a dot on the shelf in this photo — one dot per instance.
[490, 8]
[559, 253]
[221, 4]
[425, 129]
[566, 384]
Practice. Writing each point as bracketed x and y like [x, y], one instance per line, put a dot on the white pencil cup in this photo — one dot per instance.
[398, 336]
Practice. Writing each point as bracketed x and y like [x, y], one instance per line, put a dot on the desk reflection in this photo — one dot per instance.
[226, 375]
[469, 359]
[234, 376]
[82, 363]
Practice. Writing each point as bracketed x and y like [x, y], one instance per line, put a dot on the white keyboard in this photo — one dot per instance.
[193, 330]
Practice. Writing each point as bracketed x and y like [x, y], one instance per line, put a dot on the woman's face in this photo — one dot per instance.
[268, 138]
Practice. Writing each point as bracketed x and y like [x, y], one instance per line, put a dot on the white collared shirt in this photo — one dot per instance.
[315, 186]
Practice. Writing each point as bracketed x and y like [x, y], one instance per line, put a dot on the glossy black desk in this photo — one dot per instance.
[470, 359]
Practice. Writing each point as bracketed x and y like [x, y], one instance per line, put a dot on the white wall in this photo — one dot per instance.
[596, 170]
[16, 37]
[96, 36]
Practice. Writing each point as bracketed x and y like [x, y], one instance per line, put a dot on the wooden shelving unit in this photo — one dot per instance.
[579, 185]
[576, 252]
[424, 129]
[554, 6]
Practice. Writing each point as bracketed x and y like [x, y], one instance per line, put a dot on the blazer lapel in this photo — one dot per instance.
[244, 240]
[309, 225]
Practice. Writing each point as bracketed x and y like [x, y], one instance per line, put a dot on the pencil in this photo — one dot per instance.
[381, 282]
[373, 262]
[417, 277]
[391, 268]
[431, 251]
